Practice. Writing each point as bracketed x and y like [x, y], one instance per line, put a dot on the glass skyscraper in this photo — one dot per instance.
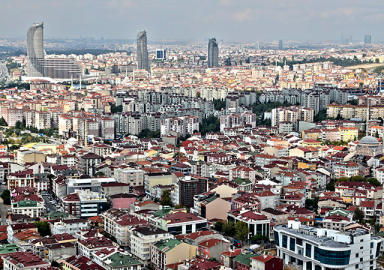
[39, 66]
[213, 53]
[35, 50]
[142, 51]
[367, 39]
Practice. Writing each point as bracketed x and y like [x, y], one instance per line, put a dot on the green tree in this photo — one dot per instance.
[99, 174]
[258, 237]
[55, 264]
[377, 60]
[373, 181]
[6, 196]
[43, 228]
[210, 124]
[359, 215]
[212, 259]
[219, 226]
[312, 204]
[19, 125]
[3, 123]
[166, 198]
[219, 104]
[114, 108]
[331, 185]
[242, 230]
[229, 228]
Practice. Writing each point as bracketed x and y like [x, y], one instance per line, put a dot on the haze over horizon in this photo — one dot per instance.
[245, 21]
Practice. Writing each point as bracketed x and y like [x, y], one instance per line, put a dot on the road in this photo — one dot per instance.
[3, 71]
[3, 208]
[49, 206]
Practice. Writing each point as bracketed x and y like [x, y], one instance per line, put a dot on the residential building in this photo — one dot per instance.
[24, 260]
[170, 251]
[143, 237]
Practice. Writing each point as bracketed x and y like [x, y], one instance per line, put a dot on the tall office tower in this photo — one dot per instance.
[280, 44]
[367, 39]
[35, 50]
[142, 51]
[213, 53]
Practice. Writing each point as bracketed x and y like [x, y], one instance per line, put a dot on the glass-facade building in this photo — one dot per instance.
[213, 53]
[323, 249]
[35, 50]
[40, 66]
[367, 39]
[142, 51]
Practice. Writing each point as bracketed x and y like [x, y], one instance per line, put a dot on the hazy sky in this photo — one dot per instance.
[242, 20]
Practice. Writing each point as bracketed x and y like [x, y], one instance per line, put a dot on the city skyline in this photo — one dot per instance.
[229, 21]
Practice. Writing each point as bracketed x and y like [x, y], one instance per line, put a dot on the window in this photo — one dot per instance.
[292, 243]
[285, 241]
[308, 250]
[332, 257]
[276, 238]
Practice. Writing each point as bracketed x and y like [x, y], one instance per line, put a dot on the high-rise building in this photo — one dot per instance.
[35, 50]
[161, 54]
[39, 66]
[213, 53]
[280, 44]
[142, 51]
[367, 39]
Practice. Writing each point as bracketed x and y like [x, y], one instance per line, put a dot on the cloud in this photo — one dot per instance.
[226, 3]
[244, 15]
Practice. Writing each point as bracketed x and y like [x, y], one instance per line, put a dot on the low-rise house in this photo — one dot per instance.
[71, 226]
[112, 259]
[229, 256]
[212, 248]
[57, 251]
[211, 206]
[243, 261]
[267, 262]
[90, 245]
[336, 222]
[275, 216]
[247, 200]
[170, 251]
[80, 263]
[38, 246]
[7, 249]
[16, 228]
[183, 223]
[24, 260]
[143, 237]
[23, 239]
[258, 224]
[27, 204]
